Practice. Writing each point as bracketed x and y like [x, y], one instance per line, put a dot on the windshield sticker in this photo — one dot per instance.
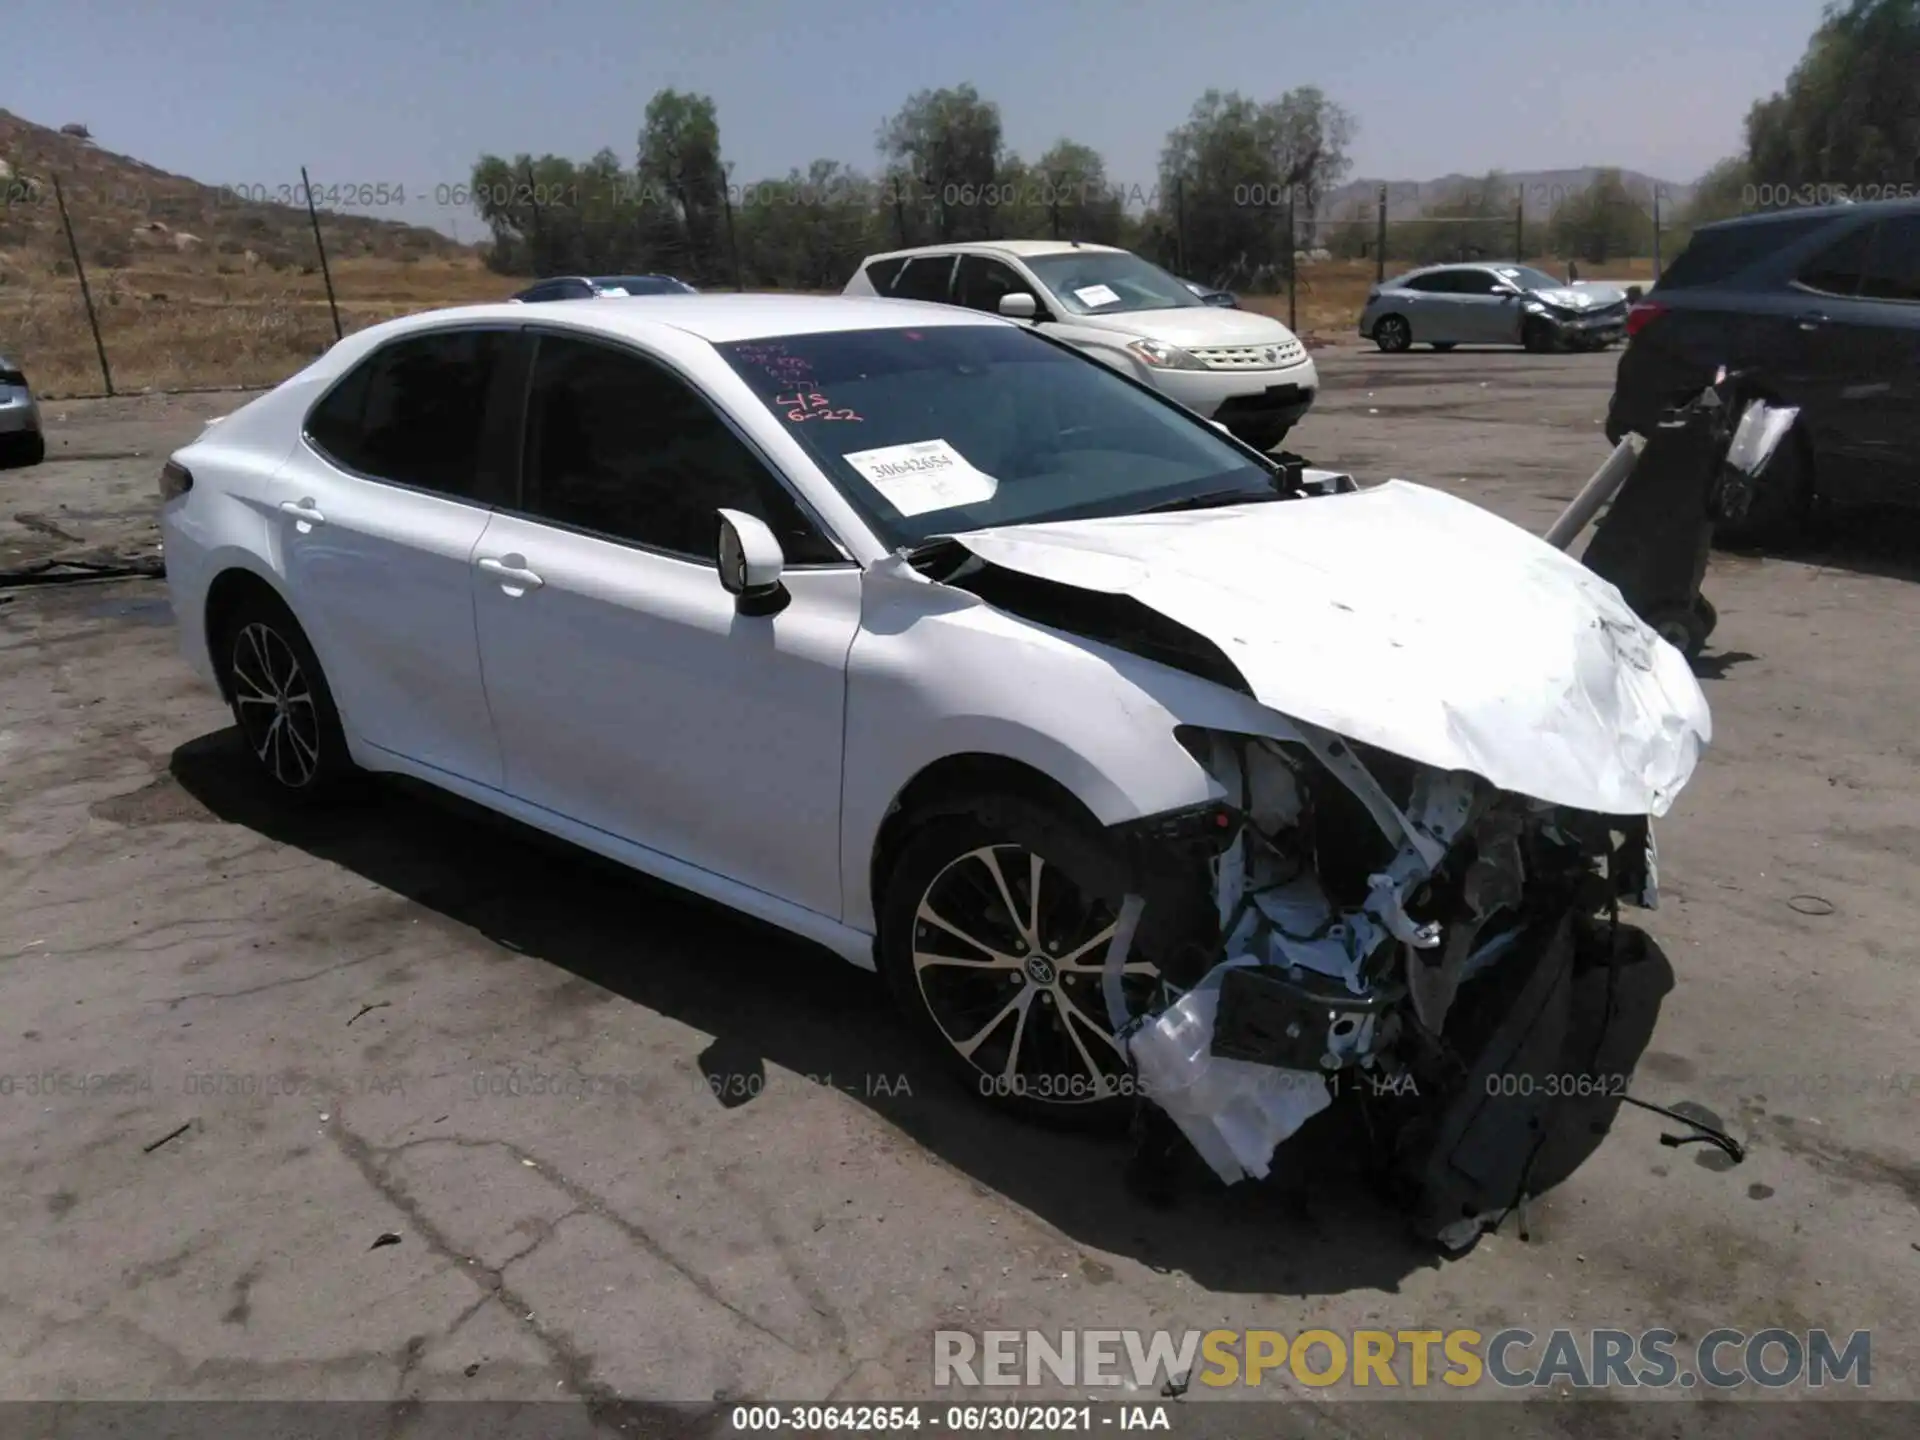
[920, 478]
[619, 290]
[1094, 296]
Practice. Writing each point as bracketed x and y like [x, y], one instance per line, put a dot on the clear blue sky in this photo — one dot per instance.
[411, 91]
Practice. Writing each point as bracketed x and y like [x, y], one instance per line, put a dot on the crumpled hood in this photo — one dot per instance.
[1406, 618]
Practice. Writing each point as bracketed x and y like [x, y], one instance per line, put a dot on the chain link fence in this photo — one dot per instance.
[102, 322]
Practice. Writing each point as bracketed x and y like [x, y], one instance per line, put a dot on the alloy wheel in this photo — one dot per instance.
[273, 700]
[1007, 954]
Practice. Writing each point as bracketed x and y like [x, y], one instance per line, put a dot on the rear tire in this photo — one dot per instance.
[26, 449]
[1006, 992]
[1392, 334]
[281, 702]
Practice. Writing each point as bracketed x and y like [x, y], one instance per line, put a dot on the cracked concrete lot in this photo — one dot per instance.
[634, 1147]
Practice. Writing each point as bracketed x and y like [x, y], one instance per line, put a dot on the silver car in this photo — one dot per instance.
[1492, 303]
[21, 442]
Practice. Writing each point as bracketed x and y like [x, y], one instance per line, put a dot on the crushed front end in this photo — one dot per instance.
[1445, 952]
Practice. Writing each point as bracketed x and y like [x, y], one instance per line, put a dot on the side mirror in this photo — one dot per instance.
[1019, 306]
[750, 564]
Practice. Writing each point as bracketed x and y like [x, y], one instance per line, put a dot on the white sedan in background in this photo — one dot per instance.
[908, 630]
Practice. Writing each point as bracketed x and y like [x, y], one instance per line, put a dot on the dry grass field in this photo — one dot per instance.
[175, 322]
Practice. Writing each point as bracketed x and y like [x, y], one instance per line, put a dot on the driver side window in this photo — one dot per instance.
[621, 447]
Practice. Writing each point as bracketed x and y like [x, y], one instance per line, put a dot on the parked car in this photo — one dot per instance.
[22, 441]
[906, 629]
[1820, 308]
[1213, 294]
[1491, 303]
[1246, 371]
[602, 287]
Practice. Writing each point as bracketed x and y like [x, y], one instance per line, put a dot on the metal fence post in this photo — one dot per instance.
[1380, 241]
[1180, 222]
[86, 295]
[306, 187]
[1656, 232]
[1520, 230]
[1293, 279]
[733, 245]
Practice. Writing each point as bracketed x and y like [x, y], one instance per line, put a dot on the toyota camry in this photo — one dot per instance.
[983, 665]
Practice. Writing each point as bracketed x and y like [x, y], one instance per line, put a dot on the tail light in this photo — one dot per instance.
[175, 480]
[1641, 314]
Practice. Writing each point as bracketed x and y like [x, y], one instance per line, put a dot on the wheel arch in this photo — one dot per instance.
[951, 785]
[232, 584]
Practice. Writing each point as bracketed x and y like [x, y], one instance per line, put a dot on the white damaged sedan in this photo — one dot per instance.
[919, 635]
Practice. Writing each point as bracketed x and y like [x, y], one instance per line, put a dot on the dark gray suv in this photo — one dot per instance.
[1821, 307]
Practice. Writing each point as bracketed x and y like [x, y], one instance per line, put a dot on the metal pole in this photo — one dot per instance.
[320, 245]
[733, 245]
[1380, 241]
[1520, 231]
[1179, 226]
[1595, 493]
[1656, 232]
[86, 295]
[1293, 286]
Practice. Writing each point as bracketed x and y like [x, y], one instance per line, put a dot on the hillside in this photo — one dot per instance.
[192, 284]
[121, 206]
[1541, 190]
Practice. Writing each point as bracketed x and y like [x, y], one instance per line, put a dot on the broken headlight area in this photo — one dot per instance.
[1416, 939]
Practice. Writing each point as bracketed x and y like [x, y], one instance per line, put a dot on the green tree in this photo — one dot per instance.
[679, 165]
[1605, 221]
[1849, 116]
[945, 148]
[1227, 173]
[1475, 223]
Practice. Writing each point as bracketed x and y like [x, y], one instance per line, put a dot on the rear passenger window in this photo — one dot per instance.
[1837, 269]
[880, 273]
[622, 447]
[924, 279]
[412, 411]
[1893, 271]
[1713, 255]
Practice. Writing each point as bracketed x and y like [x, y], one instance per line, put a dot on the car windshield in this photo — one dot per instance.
[1109, 282]
[642, 284]
[959, 427]
[1528, 278]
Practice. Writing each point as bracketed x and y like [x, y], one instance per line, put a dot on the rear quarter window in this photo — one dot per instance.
[1716, 255]
[881, 273]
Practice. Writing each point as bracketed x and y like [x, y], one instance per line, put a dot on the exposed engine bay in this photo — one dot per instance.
[1415, 934]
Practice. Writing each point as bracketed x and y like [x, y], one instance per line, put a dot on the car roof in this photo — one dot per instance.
[1019, 249]
[717, 319]
[1872, 208]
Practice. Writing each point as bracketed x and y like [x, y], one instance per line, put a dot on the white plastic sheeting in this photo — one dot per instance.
[1410, 619]
[1236, 1113]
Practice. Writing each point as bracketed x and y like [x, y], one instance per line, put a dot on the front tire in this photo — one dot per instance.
[994, 928]
[1537, 336]
[281, 702]
[1392, 334]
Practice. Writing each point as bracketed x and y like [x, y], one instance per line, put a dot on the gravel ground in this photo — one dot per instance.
[323, 1016]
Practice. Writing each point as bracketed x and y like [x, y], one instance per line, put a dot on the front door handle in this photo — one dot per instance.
[304, 509]
[512, 573]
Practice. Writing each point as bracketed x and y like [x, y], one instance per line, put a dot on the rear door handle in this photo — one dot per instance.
[304, 509]
[511, 571]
